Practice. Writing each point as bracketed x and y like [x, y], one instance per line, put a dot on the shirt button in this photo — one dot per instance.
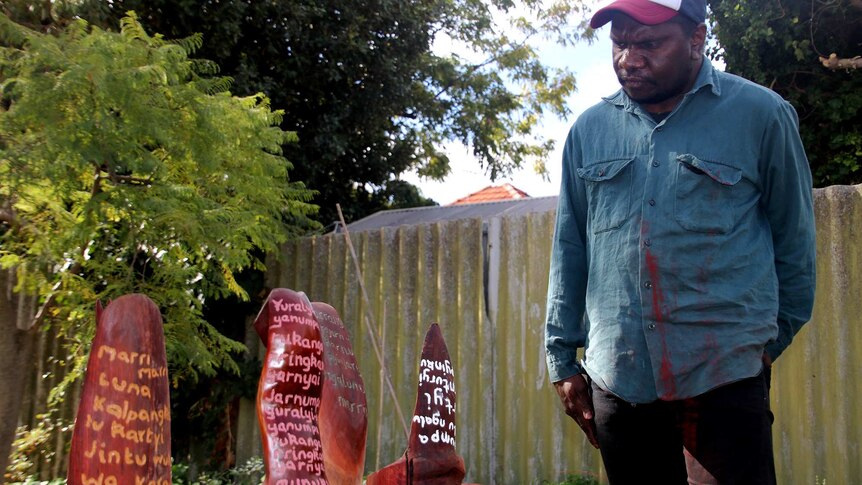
[647, 242]
[601, 172]
[648, 285]
[659, 128]
[651, 326]
[655, 163]
[651, 202]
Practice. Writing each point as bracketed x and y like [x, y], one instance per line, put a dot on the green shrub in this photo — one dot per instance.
[250, 473]
[575, 479]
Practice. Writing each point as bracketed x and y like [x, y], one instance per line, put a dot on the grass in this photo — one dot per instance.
[575, 479]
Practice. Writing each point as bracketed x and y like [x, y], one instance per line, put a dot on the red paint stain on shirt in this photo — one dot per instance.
[666, 374]
[657, 297]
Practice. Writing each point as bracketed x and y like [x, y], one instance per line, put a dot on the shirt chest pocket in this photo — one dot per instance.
[705, 195]
[608, 187]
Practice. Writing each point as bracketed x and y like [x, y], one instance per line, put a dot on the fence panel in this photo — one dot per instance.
[817, 382]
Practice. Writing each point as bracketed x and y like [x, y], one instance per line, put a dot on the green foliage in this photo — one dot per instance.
[777, 44]
[33, 481]
[365, 92]
[250, 473]
[576, 479]
[204, 413]
[126, 168]
[27, 444]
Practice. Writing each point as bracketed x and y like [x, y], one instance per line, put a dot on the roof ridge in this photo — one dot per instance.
[504, 191]
[515, 192]
[483, 210]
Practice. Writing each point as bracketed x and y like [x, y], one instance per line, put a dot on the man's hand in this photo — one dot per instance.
[578, 404]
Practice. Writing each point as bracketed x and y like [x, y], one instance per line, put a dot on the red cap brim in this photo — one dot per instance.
[643, 12]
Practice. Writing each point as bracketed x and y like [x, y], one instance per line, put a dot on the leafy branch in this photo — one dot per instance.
[124, 169]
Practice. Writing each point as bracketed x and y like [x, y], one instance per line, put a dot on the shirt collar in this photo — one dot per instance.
[706, 77]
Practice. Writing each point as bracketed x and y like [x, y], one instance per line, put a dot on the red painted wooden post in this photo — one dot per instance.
[289, 392]
[122, 432]
[430, 458]
[343, 408]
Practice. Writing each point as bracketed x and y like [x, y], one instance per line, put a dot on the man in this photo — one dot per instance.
[683, 257]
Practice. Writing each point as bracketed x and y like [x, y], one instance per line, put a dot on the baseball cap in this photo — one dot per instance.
[651, 12]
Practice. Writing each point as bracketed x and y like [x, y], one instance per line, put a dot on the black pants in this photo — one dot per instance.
[723, 437]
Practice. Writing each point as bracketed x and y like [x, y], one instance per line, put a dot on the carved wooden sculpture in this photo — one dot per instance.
[289, 392]
[430, 458]
[122, 432]
[343, 408]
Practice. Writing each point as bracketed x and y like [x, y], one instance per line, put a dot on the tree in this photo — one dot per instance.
[779, 45]
[126, 166]
[368, 96]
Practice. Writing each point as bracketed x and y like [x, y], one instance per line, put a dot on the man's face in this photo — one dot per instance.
[655, 64]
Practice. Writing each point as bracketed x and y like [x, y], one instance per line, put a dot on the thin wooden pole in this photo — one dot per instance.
[380, 396]
[368, 319]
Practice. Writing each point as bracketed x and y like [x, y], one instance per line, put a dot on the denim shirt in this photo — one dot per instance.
[683, 250]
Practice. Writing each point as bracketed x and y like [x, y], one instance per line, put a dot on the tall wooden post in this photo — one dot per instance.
[288, 395]
[430, 458]
[122, 432]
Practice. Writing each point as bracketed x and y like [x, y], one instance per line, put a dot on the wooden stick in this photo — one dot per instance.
[380, 397]
[368, 319]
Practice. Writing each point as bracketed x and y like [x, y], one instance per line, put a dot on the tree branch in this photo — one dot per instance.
[97, 183]
[835, 63]
[9, 217]
[475, 67]
[114, 178]
[49, 301]
[128, 179]
[8, 213]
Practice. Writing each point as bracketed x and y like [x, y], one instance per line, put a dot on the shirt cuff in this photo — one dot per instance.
[565, 367]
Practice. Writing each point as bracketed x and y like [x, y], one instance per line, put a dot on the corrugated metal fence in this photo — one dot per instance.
[817, 385]
[486, 285]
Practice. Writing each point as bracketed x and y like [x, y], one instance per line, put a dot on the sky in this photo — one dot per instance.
[595, 78]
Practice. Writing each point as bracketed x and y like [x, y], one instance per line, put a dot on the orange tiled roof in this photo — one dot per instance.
[493, 193]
